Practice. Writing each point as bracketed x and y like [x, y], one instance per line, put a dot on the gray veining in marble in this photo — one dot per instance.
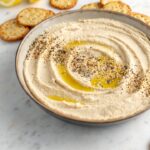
[24, 126]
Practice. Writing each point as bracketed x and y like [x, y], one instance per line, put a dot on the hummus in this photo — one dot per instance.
[90, 70]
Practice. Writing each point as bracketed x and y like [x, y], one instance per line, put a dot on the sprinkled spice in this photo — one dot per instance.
[84, 64]
[102, 70]
[60, 56]
[40, 45]
[146, 85]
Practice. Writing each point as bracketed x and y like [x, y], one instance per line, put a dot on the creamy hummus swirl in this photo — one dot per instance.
[91, 70]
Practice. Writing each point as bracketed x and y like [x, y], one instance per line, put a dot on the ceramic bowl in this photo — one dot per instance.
[67, 17]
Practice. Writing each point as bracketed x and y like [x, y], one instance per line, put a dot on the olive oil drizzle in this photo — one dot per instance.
[70, 81]
[62, 99]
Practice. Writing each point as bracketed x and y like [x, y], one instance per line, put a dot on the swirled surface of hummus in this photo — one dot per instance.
[90, 70]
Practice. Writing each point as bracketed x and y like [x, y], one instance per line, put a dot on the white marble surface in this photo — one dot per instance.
[24, 126]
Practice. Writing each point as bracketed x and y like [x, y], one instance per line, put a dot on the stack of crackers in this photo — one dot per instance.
[118, 6]
[16, 29]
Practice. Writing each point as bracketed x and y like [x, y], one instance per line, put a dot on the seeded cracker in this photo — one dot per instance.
[118, 7]
[104, 2]
[63, 4]
[92, 6]
[11, 30]
[144, 18]
[33, 16]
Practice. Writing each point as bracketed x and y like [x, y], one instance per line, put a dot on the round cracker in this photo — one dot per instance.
[118, 7]
[63, 4]
[142, 17]
[104, 2]
[11, 30]
[92, 6]
[33, 16]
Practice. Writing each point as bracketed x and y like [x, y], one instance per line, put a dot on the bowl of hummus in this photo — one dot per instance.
[90, 66]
